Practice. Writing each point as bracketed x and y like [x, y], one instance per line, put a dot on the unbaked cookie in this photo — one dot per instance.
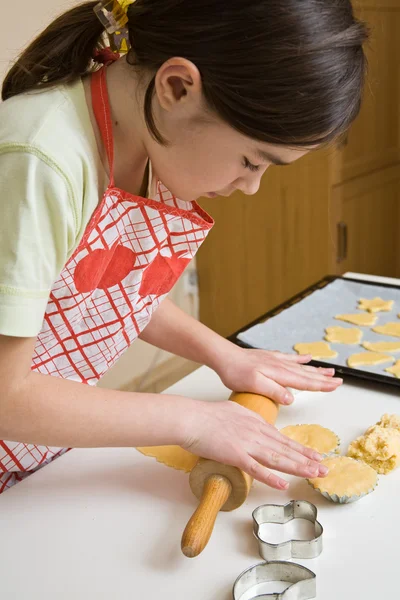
[388, 329]
[358, 318]
[394, 369]
[375, 305]
[379, 447]
[316, 349]
[382, 346]
[344, 335]
[368, 358]
[348, 480]
[318, 438]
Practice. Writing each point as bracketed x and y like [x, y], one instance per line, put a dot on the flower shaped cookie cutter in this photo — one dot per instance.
[277, 513]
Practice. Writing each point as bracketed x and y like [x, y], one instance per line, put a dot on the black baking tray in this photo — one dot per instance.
[342, 370]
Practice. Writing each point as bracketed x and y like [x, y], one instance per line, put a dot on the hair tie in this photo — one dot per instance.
[112, 14]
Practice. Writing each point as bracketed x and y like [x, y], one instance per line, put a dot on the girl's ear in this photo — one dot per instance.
[178, 81]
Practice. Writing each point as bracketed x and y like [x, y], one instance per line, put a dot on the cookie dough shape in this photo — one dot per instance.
[394, 369]
[382, 346]
[344, 335]
[388, 329]
[318, 438]
[375, 305]
[379, 447]
[368, 358]
[316, 349]
[348, 480]
[366, 319]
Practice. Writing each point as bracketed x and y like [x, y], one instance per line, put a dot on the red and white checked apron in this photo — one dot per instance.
[133, 251]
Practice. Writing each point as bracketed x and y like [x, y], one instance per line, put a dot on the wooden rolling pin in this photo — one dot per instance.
[218, 486]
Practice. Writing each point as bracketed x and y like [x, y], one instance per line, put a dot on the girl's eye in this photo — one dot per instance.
[249, 165]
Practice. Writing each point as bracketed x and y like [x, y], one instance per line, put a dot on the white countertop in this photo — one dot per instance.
[106, 523]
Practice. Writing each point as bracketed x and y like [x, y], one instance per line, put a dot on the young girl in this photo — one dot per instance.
[100, 160]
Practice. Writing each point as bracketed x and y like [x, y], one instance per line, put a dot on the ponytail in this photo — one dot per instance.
[61, 54]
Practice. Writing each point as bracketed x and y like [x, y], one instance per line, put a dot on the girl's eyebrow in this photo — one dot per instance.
[268, 157]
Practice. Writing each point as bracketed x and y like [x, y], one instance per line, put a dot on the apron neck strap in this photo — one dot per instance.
[102, 113]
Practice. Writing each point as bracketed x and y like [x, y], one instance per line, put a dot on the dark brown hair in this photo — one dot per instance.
[288, 72]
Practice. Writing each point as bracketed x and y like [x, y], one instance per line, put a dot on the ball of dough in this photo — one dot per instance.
[379, 447]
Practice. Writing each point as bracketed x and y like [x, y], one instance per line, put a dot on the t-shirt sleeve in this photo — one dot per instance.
[37, 232]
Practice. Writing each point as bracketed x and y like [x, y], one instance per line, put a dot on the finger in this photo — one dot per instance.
[310, 468]
[298, 358]
[322, 370]
[276, 461]
[270, 388]
[260, 473]
[303, 381]
[311, 372]
[274, 433]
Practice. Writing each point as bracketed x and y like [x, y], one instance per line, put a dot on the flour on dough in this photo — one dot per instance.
[388, 329]
[375, 305]
[172, 456]
[318, 438]
[343, 335]
[358, 318]
[379, 447]
[316, 349]
[368, 358]
[395, 369]
[382, 346]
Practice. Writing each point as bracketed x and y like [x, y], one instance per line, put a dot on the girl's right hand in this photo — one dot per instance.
[234, 435]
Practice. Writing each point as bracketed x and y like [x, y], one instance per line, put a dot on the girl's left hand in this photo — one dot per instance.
[270, 373]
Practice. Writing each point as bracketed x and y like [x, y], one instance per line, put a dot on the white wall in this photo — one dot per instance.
[21, 22]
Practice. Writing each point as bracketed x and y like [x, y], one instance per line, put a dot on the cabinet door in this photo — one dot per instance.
[366, 219]
[265, 248]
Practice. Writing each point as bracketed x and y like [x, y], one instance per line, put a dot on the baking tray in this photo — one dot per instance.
[304, 317]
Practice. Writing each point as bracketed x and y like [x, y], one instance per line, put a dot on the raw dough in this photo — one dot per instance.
[379, 447]
[316, 349]
[392, 421]
[382, 346]
[394, 369]
[368, 358]
[375, 305]
[172, 456]
[358, 318]
[316, 437]
[388, 329]
[346, 477]
[344, 335]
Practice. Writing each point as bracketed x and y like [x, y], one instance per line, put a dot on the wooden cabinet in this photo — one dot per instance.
[332, 211]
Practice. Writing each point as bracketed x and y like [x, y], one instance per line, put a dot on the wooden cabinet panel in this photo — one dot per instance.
[265, 247]
[374, 139]
[369, 209]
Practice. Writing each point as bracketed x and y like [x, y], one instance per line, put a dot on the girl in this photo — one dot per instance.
[99, 166]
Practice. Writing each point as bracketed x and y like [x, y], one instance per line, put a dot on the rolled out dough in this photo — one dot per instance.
[346, 477]
[172, 456]
[382, 346]
[394, 369]
[318, 438]
[368, 358]
[316, 349]
[343, 335]
[375, 305]
[388, 329]
[358, 318]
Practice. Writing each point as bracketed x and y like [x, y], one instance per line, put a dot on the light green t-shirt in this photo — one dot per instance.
[51, 180]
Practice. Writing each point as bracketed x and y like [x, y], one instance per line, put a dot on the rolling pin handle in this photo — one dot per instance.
[216, 492]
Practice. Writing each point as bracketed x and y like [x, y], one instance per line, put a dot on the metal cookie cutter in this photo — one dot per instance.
[277, 513]
[303, 581]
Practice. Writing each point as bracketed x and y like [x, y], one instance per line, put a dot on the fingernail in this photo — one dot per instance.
[338, 380]
[323, 470]
[288, 398]
[316, 456]
[284, 485]
[313, 472]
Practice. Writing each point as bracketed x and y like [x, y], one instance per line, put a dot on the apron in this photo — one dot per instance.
[132, 253]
